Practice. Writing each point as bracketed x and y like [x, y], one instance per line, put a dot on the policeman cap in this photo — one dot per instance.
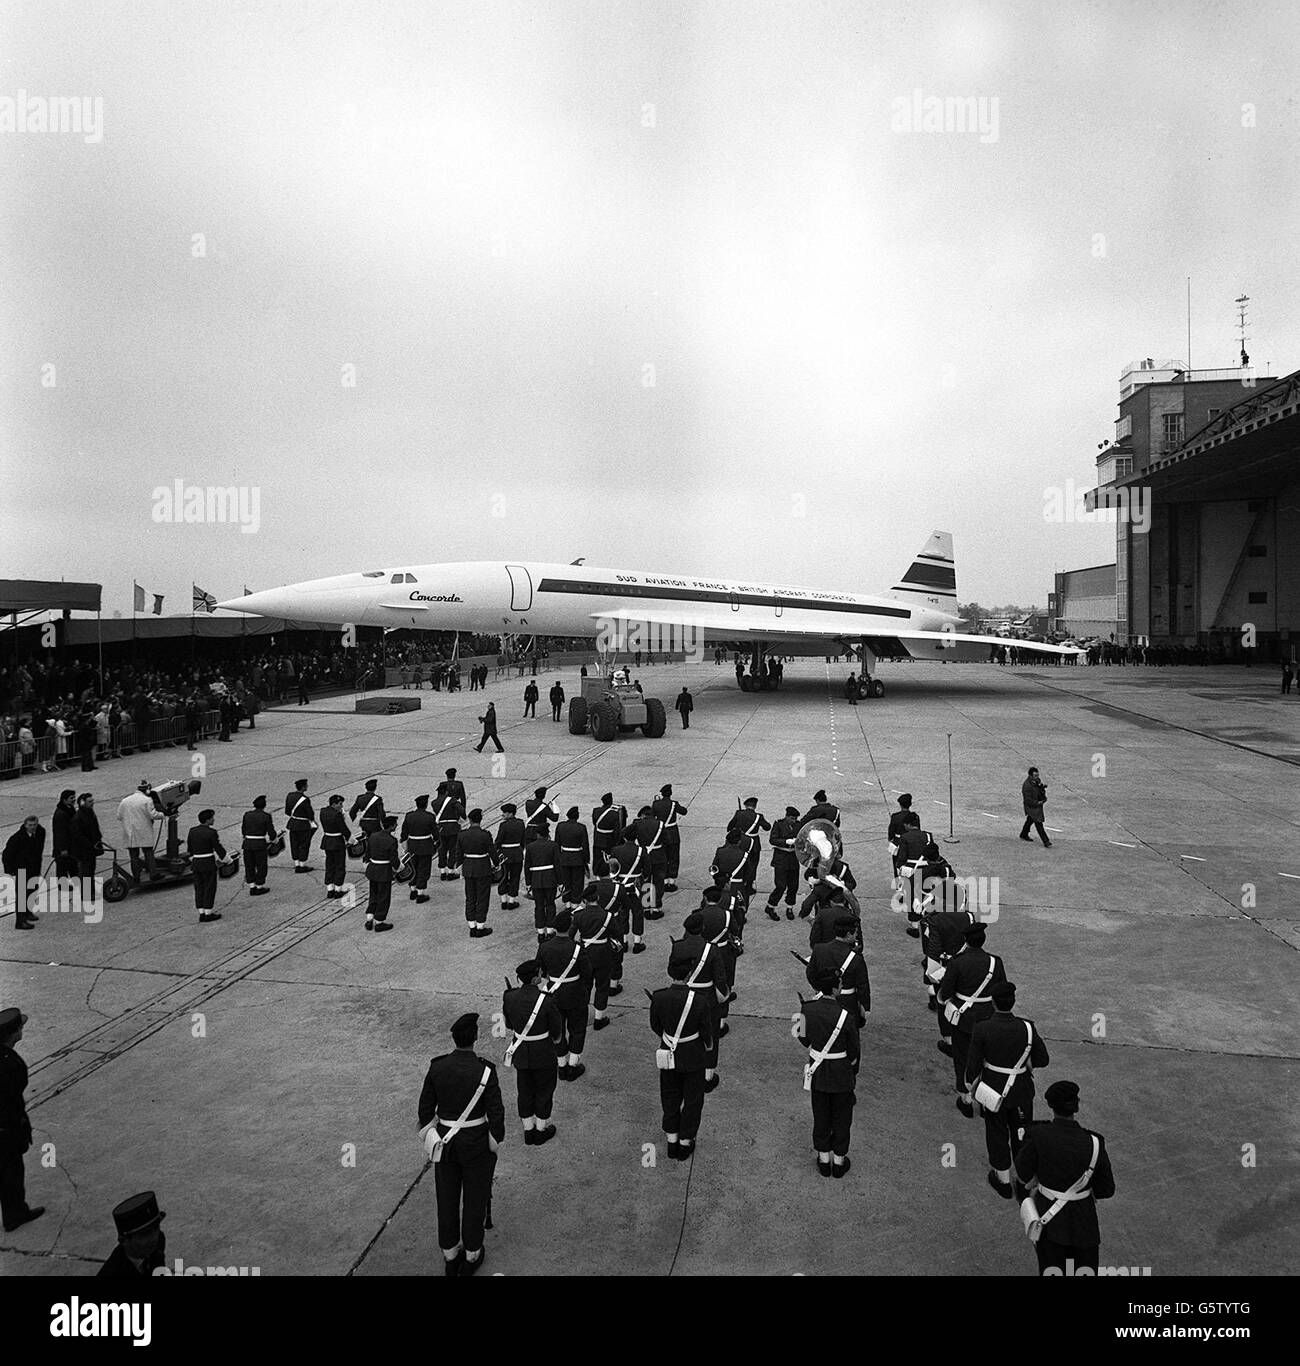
[667, 789]
[693, 923]
[259, 803]
[526, 972]
[563, 922]
[464, 1030]
[819, 795]
[137, 1213]
[1063, 1097]
[509, 808]
[451, 773]
[792, 811]
[976, 935]
[572, 813]
[1004, 995]
[846, 924]
[751, 801]
[607, 797]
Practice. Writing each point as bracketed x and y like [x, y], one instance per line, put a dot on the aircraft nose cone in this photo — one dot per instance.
[269, 604]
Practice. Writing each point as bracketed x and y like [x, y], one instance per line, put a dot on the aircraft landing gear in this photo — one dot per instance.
[870, 687]
[760, 678]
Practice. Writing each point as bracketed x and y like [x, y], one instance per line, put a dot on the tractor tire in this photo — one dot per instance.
[116, 887]
[656, 719]
[604, 721]
[877, 688]
[577, 716]
[746, 683]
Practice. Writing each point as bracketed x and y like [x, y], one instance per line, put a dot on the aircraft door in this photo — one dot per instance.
[521, 588]
[780, 607]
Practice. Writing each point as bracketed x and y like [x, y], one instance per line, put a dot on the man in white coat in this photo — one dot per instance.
[138, 815]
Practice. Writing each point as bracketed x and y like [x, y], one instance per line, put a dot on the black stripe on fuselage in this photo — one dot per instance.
[645, 590]
[932, 575]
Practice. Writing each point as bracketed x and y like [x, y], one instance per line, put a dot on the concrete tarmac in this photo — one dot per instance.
[261, 1072]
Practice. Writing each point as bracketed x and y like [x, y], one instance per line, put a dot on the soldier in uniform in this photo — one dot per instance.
[382, 855]
[574, 856]
[648, 831]
[1053, 1158]
[844, 957]
[1004, 1050]
[420, 831]
[257, 830]
[823, 890]
[141, 1244]
[204, 847]
[628, 865]
[448, 818]
[478, 859]
[708, 973]
[750, 823]
[334, 835]
[530, 702]
[600, 927]
[898, 819]
[964, 998]
[451, 786]
[462, 1123]
[722, 924]
[537, 1030]
[822, 809]
[557, 699]
[607, 822]
[829, 914]
[729, 863]
[608, 894]
[369, 806]
[785, 866]
[542, 877]
[830, 1033]
[667, 809]
[300, 824]
[510, 855]
[683, 1021]
[15, 1127]
[539, 813]
[943, 933]
[562, 960]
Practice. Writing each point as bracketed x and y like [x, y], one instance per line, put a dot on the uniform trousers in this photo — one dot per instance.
[785, 883]
[463, 1180]
[336, 866]
[575, 1024]
[255, 863]
[510, 880]
[544, 907]
[300, 842]
[448, 848]
[478, 895]
[682, 1097]
[832, 1120]
[421, 867]
[381, 897]
[205, 883]
[573, 884]
[537, 1090]
[1002, 1133]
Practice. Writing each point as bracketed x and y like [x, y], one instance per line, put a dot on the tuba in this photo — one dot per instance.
[817, 846]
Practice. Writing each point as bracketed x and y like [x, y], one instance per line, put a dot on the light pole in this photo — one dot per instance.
[950, 838]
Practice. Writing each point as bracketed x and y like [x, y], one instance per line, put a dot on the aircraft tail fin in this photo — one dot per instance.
[931, 579]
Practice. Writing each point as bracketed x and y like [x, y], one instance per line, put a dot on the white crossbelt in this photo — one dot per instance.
[542, 868]
[256, 837]
[210, 854]
[564, 979]
[816, 1057]
[380, 860]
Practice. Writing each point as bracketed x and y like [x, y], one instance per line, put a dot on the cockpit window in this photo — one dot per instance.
[410, 578]
[397, 578]
[373, 574]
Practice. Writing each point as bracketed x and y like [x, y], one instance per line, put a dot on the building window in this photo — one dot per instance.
[1257, 597]
[1257, 552]
[1172, 429]
[1214, 412]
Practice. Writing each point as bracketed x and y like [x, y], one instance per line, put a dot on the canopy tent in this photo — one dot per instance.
[38, 595]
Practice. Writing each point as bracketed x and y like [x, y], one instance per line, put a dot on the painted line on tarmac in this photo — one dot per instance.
[1296, 876]
[990, 815]
[1194, 857]
[1121, 844]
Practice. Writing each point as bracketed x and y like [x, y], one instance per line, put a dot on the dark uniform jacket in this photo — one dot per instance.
[539, 812]
[633, 862]
[595, 931]
[510, 840]
[297, 806]
[450, 811]
[966, 973]
[541, 860]
[782, 841]
[257, 829]
[204, 840]
[120, 1267]
[855, 981]
[896, 819]
[369, 806]
[912, 844]
[611, 894]
[1056, 1152]
[720, 923]
[419, 830]
[572, 843]
[556, 694]
[999, 1041]
[537, 1049]
[751, 825]
[382, 855]
[696, 1032]
[15, 1128]
[452, 787]
[570, 976]
[25, 852]
[819, 1018]
[822, 811]
[448, 1086]
[707, 966]
[334, 828]
[477, 856]
[1033, 794]
[668, 810]
[607, 824]
[822, 928]
[648, 831]
[943, 933]
[728, 866]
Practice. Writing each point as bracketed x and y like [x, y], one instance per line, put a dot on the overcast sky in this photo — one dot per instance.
[501, 214]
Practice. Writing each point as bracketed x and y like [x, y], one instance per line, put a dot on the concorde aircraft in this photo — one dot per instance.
[620, 608]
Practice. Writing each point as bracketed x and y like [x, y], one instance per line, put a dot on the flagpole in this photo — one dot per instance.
[134, 587]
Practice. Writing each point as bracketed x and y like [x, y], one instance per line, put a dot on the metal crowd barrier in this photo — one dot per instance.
[44, 755]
